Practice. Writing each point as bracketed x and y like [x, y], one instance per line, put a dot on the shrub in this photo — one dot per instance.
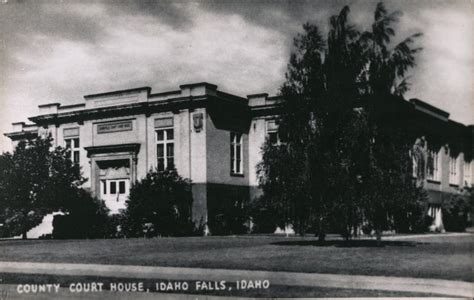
[87, 217]
[160, 204]
[411, 216]
[263, 217]
[456, 211]
[228, 211]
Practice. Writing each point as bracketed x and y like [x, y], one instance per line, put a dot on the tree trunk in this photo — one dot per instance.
[321, 233]
[321, 236]
[378, 234]
[24, 226]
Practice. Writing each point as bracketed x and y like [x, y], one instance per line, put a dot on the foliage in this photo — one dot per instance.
[264, 216]
[232, 219]
[282, 185]
[87, 218]
[159, 204]
[342, 162]
[456, 210]
[35, 180]
[228, 209]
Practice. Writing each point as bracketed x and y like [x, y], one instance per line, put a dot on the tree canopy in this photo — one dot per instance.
[35, 180]
[341, 163]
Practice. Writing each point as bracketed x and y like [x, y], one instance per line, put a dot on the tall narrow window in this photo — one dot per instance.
[467, 173]
[433, 167]
[121, 187]
[73, 145]
[272, 133]
[113, 187]
[104, 186]
[165, 148]
[453, 170]
[236, 153]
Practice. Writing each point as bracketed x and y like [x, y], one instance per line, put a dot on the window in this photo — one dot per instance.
[467, 173]
[121, 187]
[433, 167]
[453, 170]
[272, 133]
[113, 187]
[165, 148]
[236, 153]
[73, 145]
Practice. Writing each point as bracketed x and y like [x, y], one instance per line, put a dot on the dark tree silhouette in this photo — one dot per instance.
[35, 181]
[159, 204]
[339, 155]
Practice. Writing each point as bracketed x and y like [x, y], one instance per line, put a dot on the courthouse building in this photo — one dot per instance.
[214, 139]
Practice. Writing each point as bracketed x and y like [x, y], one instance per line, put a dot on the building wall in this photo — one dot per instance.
[218, 156]
[198, 149]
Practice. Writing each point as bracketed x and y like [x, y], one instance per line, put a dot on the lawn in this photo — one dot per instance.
[434, 257]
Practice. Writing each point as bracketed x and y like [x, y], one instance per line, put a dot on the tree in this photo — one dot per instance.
[341, 153]
[159, 204]
[284, 194]
[389, 183]
[35, 180]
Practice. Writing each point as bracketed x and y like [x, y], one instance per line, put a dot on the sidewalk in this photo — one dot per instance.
[403, 284]
[427, 235]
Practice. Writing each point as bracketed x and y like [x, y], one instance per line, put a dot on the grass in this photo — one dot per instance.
[434, 257]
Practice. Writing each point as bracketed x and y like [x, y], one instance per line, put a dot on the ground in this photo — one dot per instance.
[446, 257]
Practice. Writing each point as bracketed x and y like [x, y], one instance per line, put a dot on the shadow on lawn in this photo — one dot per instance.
[350, 244]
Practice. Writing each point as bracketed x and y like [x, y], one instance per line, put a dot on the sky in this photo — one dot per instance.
[59, 51]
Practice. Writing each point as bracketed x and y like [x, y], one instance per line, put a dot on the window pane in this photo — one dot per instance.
[160, 135]
[76, 157]
[169, 149]
[273, 137]
[104, 184]
[237, 152]
[68, 143]
[169, 134]
[232, 137]
[160, 150]
[161, 164]
[238, 138]
[76, 143]
[237, 167]
[232, 158]
[113, 187]
[170, 162]
[122, 187]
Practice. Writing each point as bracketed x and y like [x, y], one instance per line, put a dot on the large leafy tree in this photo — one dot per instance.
[342, 158]
[35, 180]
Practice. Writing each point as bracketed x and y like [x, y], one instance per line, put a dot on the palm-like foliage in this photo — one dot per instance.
[387, 66]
